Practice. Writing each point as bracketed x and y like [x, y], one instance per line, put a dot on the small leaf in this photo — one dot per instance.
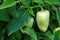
[30, 31]
[31, 12]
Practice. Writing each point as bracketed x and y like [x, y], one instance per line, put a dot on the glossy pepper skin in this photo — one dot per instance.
[42, 19]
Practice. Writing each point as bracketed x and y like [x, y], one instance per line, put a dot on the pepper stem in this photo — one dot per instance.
[42, 8]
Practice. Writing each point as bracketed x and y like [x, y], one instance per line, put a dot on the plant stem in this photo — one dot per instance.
[30, 7]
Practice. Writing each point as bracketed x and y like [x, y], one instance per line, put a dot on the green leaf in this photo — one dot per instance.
[30, 31]
[12, 37]
[27, 38]
[18, 0]
[7, 4]
[49, 35]
[45, 35]
[38, 35]
[52, 26]
[57, 34]
[31, 12]
[25, 2]
[54, 2]
[2, 31]
[4, 15]
[18, 23]
[58, 16]
[38, 1]
[15, 13]
[17, 35]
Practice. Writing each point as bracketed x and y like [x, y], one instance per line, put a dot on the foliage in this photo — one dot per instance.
[15, 16]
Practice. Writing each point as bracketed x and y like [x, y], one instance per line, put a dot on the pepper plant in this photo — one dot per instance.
[29, 19]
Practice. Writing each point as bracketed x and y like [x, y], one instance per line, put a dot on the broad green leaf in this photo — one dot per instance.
[30, 31]
[15, 13]
[54, 2]
[25, 2]
[38, 1]
[57, 34]
[17, 35]
[4, 15]
[58, 16]
[18, 23]
[7, 4]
